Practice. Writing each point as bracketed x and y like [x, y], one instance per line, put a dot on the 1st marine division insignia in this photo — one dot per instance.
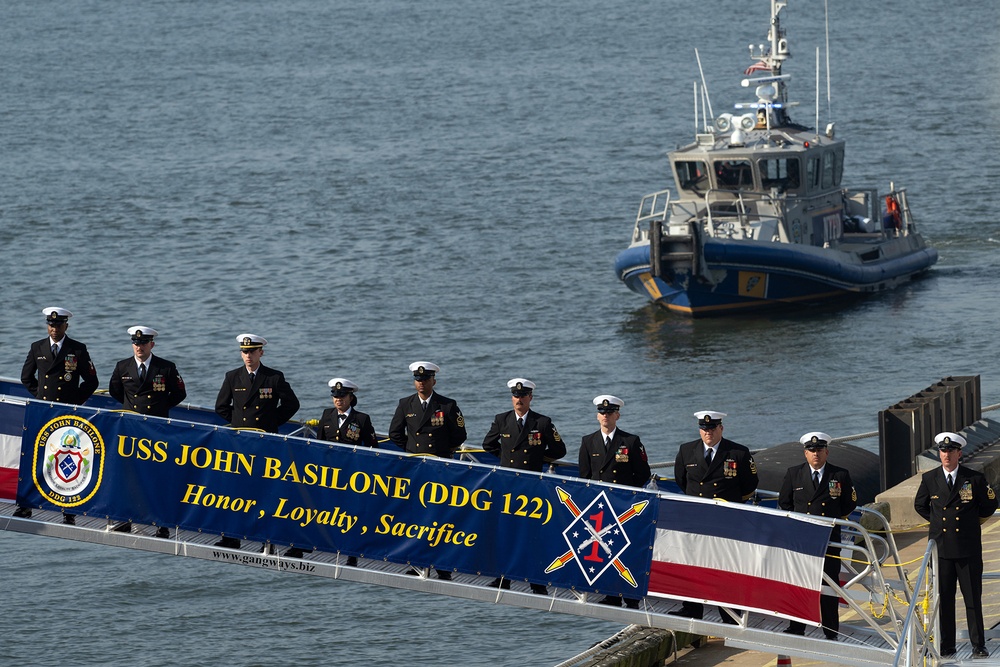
[596, 537]
[68, 461]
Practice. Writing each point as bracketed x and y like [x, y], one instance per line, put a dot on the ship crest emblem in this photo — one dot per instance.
[596, 537]
[68, 461]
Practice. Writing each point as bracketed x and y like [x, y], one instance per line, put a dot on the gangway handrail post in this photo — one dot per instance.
[908, 650]
[871, 570]
[891, 540]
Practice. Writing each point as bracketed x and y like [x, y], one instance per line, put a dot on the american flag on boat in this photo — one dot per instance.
[739, 556]
[759, 66]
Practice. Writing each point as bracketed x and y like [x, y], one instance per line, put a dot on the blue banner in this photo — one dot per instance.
[424, 511]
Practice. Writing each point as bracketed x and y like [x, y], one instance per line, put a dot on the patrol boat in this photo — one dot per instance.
[760, 218]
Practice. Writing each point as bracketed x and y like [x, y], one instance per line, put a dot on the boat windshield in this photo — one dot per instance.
[734, 174]
[692, 175]
[781, 173]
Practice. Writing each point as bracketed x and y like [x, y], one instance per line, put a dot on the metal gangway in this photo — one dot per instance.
[895, 610]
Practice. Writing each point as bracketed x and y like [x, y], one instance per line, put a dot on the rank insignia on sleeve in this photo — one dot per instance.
[854, 495]
[555, 435]
[990, 493]
[461, 420]
[753, 466]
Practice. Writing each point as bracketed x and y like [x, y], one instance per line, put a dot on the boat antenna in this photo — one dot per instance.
[829, 99]
[817, 91]
[695, 106]
[708, 100]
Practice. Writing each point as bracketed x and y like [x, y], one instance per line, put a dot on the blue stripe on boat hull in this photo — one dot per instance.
[790, 274]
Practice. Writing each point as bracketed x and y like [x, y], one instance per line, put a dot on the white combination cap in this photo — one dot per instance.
[520, 386]
[815, 439]
[608, 403]
[55, 315]
[709, 417]
[142, 334]
[949, 440]
[341, 386]
[423, 369]
[250, 341]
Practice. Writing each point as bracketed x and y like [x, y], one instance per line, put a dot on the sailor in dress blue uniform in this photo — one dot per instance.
[956, 500]
[713, 467]
[58, 369]
[523, 439]
[147, 384]
[822, 489]
[342, 423]
[144, 382]
[612, 455]
[254, 396]
[427, 422]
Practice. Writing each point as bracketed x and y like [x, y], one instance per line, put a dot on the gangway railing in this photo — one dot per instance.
[915, 644]
[870, 559]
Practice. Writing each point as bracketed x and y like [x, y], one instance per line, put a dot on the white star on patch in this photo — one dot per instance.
[576, 534]
[591, 570]
[600, 506]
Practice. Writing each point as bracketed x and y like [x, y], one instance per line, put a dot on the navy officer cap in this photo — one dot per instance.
[249, 341]
[520, 387]
[607, 403]
[423, 370]
[948, 440]
[54, 315]
[341, 387]
[709, 418]
[815, 440]
[142, 334]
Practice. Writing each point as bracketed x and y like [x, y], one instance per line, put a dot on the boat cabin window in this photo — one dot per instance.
[828, 171]
[692, 175]
[813, 172]
[734, 175]
[781, 173]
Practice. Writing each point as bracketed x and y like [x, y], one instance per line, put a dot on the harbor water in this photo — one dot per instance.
[369, 184]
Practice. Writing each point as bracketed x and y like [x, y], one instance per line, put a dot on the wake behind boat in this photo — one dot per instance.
[760, 218]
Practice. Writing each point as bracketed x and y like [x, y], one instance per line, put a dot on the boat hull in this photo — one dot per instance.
[741, 276]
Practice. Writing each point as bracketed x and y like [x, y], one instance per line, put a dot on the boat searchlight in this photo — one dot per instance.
[727, 121]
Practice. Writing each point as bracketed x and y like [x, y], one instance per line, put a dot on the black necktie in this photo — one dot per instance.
[951, 483]
[815, 479]
[520, 423]
[607, 442]
[142, 373]
[55, 350]
[423, 404]
[343, 417]
[252, 376]
[708, 457]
